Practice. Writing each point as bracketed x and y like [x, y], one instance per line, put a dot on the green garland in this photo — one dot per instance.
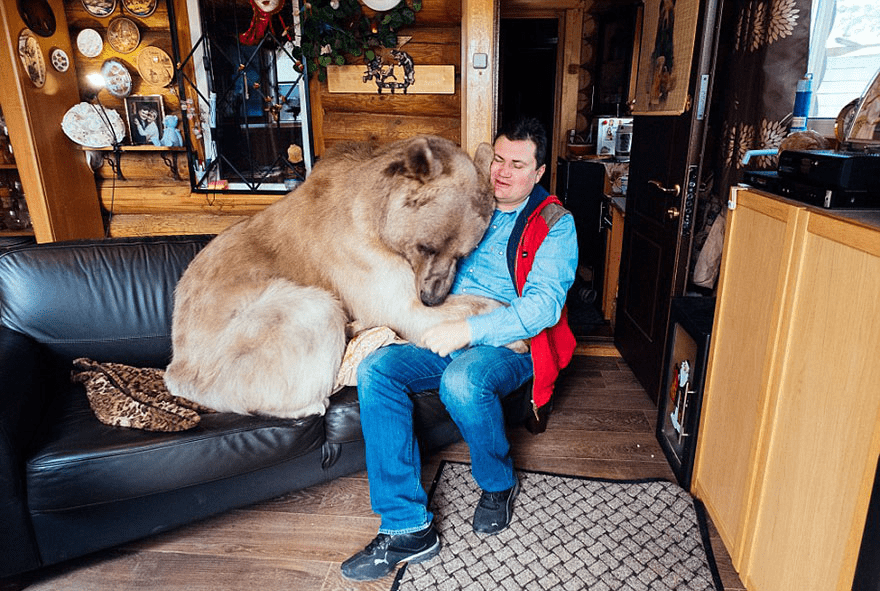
[334, 31]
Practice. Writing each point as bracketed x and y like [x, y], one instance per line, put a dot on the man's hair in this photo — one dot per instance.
[527, 128]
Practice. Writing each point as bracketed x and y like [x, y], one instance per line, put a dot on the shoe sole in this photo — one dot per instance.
[509, 513]
[423, 556]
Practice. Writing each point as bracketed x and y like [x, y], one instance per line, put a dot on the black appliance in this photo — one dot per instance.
[580, 185]
[824, 178]
[678, 410]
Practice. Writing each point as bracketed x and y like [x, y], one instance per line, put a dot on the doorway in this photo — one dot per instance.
[527, 74]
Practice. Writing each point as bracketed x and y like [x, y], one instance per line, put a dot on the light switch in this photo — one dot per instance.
[481, 61]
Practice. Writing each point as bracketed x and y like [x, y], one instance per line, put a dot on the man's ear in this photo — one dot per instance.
[483, 158]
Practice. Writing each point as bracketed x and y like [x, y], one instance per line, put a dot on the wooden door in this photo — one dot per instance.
[664, 170]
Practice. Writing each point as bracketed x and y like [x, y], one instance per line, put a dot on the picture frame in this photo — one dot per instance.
[668, 39]
[865, 127]
[144, 115]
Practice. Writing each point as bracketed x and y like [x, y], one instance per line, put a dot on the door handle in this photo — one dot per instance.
[672, 213]
[674, 191]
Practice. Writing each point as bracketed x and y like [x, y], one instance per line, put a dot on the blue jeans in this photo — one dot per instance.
[471, 386]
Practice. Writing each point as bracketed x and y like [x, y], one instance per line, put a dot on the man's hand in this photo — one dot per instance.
[445, 338]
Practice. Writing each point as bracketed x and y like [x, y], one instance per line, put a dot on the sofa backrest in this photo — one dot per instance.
[109, 300]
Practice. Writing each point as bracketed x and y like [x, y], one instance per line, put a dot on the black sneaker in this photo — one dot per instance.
[495, 510]
[385, 551]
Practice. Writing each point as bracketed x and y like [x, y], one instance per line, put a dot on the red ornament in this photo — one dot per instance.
[264, 10]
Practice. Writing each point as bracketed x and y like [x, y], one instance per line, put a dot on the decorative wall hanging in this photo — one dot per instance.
[32, 57]
[89, 125]
[123, 35]
[60, 60]
[89, 43]
[141, 8]
[146, 115]
[155, 66]
[38, 16]
[402, 76]
[117, 78]
[99, 8]
[670, 27]
[261, 22]
[336, 31]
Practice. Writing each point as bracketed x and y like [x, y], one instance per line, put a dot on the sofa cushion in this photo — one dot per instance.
[79, 461]
[109, 300]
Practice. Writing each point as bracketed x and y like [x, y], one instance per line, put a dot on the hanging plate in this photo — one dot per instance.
[99, 8]
[140, 8]
[32, 57]
[90, 125]
[38, 16]
[89, 43]
[117, 78]
[123, 35]
[155, 66]
[60, 60]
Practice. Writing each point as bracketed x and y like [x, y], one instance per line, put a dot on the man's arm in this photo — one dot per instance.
[539, 306]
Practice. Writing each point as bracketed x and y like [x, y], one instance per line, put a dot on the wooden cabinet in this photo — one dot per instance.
[790, 430]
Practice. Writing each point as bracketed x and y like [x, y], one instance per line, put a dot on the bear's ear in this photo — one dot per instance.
[483, 158]
[419, 162]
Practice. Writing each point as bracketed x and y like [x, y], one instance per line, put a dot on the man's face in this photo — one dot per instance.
[514, 172]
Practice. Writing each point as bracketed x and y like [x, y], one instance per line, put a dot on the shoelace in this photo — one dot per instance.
[381, 542]
[493, 500]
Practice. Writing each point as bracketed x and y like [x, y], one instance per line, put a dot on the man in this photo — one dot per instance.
[527, 259]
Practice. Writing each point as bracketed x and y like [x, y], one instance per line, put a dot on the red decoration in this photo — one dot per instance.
[264, 10]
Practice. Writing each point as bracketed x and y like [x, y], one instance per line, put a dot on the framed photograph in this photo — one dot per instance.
[145, 114]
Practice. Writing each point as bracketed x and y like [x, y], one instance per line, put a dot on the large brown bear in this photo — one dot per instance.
[373, 236]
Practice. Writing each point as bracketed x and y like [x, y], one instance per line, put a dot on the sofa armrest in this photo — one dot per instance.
[23, 392]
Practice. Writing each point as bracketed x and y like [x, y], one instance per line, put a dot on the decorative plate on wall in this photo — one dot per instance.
[99, 8]
[60, 60]
[140, 8]
[155, 66]
[123, 35]
[90, 125]
[32, 57]
[89, 43]
[38, 16]
[117, 78]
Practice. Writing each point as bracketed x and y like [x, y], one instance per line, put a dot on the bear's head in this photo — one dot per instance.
[439, 205]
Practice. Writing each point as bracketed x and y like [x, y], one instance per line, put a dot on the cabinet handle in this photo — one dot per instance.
[675, 191]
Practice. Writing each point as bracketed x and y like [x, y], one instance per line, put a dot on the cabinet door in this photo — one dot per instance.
[819, 467]
[758, 247]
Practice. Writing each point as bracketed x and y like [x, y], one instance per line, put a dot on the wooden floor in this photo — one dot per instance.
[602, 426]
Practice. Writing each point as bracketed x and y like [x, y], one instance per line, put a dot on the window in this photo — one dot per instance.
[253, 102]
[844, 52]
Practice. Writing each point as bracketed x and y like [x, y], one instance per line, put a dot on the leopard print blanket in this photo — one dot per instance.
[125, 396]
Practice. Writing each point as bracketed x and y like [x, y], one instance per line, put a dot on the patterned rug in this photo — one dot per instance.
[568, 533]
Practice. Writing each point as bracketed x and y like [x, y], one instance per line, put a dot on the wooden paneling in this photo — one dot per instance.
[790, 430]
[435, 40]
[60, 192]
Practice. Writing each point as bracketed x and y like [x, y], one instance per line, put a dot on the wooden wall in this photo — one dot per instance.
[436, 40]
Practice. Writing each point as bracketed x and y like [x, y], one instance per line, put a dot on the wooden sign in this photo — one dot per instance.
[356, 79]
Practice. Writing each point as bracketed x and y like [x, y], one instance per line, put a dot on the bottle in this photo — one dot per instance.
[802, 100]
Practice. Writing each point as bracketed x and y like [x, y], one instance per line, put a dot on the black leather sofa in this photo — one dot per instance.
[69, 484]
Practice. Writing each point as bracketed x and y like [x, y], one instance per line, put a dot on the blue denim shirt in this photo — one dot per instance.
[485, 273]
